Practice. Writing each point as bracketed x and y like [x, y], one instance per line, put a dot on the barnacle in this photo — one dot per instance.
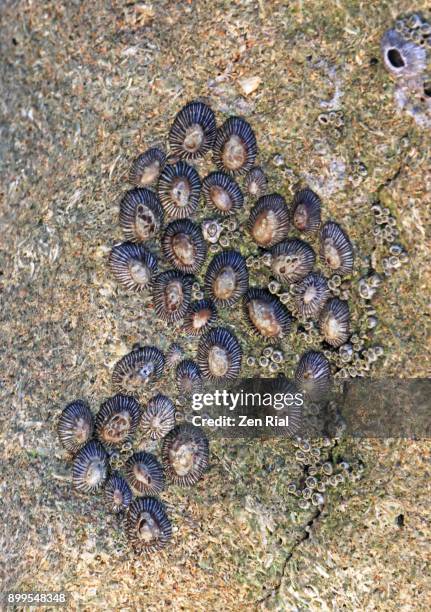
[402, 58]
[211, 229]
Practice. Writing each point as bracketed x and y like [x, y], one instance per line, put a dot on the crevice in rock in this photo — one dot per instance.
[307, 528]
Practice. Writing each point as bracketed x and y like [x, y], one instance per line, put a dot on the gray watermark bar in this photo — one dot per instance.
[384, 408]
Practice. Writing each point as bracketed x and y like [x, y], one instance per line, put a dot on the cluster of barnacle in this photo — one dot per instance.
[386, 233]
[220, 234]
[359, 172]
[334, 120]
[406, 50]
[321, 465]
[94, 444]
[385, 230]
[270, 359]
[320, 471]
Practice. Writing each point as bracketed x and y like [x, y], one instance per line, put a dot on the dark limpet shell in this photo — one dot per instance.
[137, 369]
[179, 190]
[199, 317]
[336, 250]
[184, 246]
[311, 295]
[306, 211]
[235, 146]
[146, 168]
[222, 192]
[75, 426]
[265, 313]
[292, 260]
[188, 377]
[334, 322]
[117, 420]
[172, 292]
[118, 494]
[313, 375]
[141, 215]
[185, 454]
[226, 278]
[269, 221]
[148, 528]
[90, 467]
[193, 131]
[158, 417]
[133, 265]
[256, 182]
[283, 391]
[144, 473]
[219, 355]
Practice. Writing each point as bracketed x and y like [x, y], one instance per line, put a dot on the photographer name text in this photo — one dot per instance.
[242, 420]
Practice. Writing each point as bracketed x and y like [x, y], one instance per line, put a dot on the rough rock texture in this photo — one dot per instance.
[84, 88]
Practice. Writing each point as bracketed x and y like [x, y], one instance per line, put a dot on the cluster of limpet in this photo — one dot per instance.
[195, 277]
[179, 228]
[161, 227]
[93, 443]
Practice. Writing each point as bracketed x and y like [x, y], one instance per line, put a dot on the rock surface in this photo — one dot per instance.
[84, 89]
